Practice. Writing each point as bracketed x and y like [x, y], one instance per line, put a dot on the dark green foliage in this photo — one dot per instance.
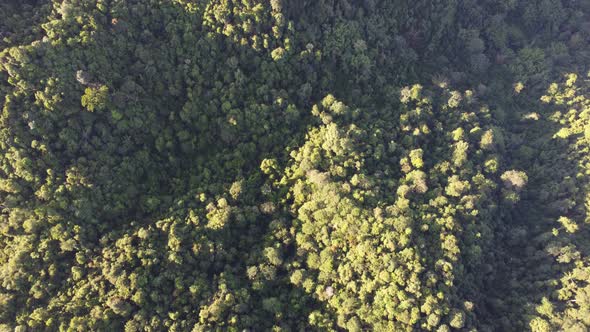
[274, 165]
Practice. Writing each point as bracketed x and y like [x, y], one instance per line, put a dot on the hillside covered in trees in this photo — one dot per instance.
[295, 165]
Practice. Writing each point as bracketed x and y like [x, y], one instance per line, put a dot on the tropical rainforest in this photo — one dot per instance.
[295, 165]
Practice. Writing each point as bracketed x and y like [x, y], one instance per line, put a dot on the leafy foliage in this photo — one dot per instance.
[294, 165]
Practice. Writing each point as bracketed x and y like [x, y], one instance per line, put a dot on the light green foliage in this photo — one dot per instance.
[568, 224]
[343, 213]
[416, 158]
[95, 98]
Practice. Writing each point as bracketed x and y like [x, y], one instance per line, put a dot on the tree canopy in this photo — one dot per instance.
[255, 165]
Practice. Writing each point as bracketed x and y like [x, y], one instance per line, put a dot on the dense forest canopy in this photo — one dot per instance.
[295, 165]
